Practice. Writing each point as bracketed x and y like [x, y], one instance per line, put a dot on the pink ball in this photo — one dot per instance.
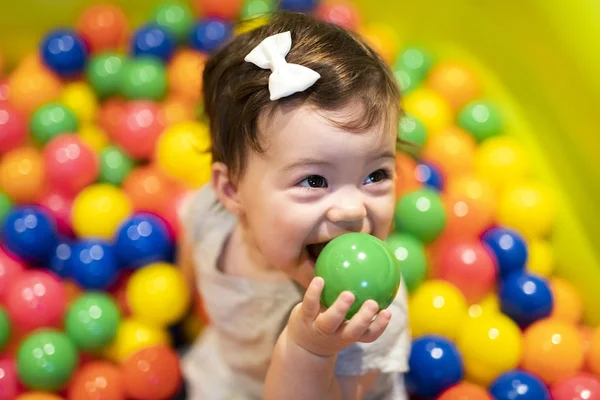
[10, 268]
[70, 164]
[13, 128]
[36, 299]
[139, 129]
[4, 89]
[9, 382]
[59, 206]
[582, 386]
[468, 265]
[341, 13]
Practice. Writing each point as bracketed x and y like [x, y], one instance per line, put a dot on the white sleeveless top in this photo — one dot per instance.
[230, 359]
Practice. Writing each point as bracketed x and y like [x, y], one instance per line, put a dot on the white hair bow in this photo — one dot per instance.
[286, 79]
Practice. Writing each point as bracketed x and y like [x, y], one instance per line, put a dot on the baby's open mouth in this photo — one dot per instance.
[315, 249]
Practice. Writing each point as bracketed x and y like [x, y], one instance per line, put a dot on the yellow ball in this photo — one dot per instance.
[437, 307]
[93, 136]
[502, 160]
[81, 99]
[567, 303]
[250, 25]
[383, 39]
[541, 257]
[158, 294]
[490, 345]
[183, 152]
[527, 207]
[429, 107]
[489, 305]
[98, 210]
[133, 336]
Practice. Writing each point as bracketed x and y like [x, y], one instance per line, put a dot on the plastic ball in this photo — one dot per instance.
[10, 268]
[110, 115]
[176, 108]
[361, 264]
[410, 253]
[59, 206]
[158, 294]
[228, 9]
[152, 40]
[22, 174]
[4, 91]
[502, 160]
[525, 298]
[552, 350]
[65, 52]
[481, 119]
[94, 137]
[143, 78]
[435, 364]
[406, 181]
[29, 233]
[115, 165]
[594, 351]
[139, 129]
[248, 25]
[175, 17]
[417, 60]
[9, 382]
[430, 108]
[51, 120]
[528, 207]
[184, 74]
[39, 396]
[46, 360]
[172, 212]
[92, 321]
[70, 164]
[5, 328]
[209, 34]
[94, 264]
[60, 263]
[181, 152]
[452, 149]
[489, 305]
[467, 218]
[412, 131]
[519, 385]
[98, 380]
[421, 213]
[437, 307]
[256, 8]
[6, 205]
[509, 249]
[465, 391]
[148, 188]
[456, 82]
[103, 27]
[430, 176]
[81, 99]
[303, 6]
[98, 210]
[567, 302]
[342, 13]
[474, 188]
[541, 257]
[13, 128]
[133, 336]
[104, 71]
[581, 386]
[152, 374]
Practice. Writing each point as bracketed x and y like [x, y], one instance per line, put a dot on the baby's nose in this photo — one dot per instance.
[350, 215]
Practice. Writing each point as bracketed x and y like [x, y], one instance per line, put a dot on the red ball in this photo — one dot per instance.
[59, 206]
[9, 381]
[110, 115]
[341, 13]
[103, 27]
[465, 391]
[70, 164]
[172, 212]
[148, 188]
[36, 299]
[581, 386]
[13, 128]
[469, 266]
[4, 90]
[97, 380]
[228, 9]
[139, 129]
[10, 268]
[152, 374]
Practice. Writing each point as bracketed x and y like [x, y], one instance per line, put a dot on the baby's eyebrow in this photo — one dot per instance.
[305, 161]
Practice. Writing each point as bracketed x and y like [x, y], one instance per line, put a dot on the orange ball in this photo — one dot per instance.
[152, 374]
[586, 338]
[465, 217]
[474, 188]
[465, 391]
[594, 352]
[228, 9]
[552, 350]
[103, 27]
[406, 179]
[455, 82]
[33, 84]
[38, 396]
[97, 380]
[148, 188]
[184, 74]
[383, 39]
[72, 290]
[176, 108]
[568, 305]
[452, 149]
[22, 174]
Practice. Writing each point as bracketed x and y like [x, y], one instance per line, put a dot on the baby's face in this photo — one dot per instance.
[314, 183]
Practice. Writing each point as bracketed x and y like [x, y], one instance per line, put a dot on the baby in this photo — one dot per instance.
[303, 120]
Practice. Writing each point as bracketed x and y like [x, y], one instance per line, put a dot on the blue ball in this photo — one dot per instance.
[143, 239]
[430, 176]
[93, 264]
[64, 52]
[30, 233]
[518, 385]
[60, 263]
[509, 248]
[435, 365]
[153, 40]
[525, 298]
[304, 6]
[210, 33]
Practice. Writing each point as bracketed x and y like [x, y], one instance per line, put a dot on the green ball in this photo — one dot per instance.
[6, 205]
[407, 80]
[410, 253]
[361, 264]
[46, 360]
[115, 165]
[255, 8]
[104, 73]
[481, 119]
[416, 61]
[144, 78]
[412, 130]
[92, 321]
[421, 213]
[176, 17]
[51, 120]
[4, 328]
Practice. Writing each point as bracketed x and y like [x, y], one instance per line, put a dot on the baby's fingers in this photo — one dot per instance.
[377, 327]
[311, 304]
[360, 322]
[330, 320]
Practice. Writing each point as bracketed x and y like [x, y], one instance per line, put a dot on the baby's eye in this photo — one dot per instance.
[377, 176]
[314, 181]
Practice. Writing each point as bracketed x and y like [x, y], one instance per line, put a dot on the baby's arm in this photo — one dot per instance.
[304, 359]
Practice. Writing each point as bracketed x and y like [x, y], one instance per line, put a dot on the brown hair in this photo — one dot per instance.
[236, 92]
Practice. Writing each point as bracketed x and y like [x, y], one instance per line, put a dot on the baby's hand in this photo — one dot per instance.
[325, 332]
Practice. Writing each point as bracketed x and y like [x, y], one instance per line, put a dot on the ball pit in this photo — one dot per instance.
[114, 148]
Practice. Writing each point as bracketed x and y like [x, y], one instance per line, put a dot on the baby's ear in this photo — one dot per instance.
[225, 189]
